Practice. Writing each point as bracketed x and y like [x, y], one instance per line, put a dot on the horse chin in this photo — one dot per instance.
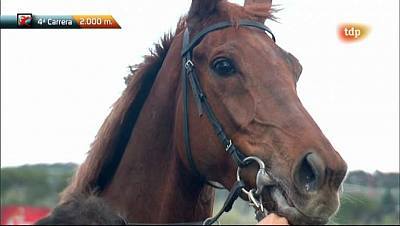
[281, 204]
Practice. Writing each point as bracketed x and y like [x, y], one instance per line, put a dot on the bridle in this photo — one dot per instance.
[190, 78]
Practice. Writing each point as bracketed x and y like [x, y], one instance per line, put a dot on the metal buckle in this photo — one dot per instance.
[248, 159]
[254, 195]
[189, 65]
[253, 201]
[257, 204]
[229, 145]
[262, 178]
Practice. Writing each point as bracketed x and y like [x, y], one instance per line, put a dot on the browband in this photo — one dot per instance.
[221, 25]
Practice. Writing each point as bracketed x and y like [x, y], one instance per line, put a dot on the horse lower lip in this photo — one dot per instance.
[291, 212]
[282, 203]
[279, 198]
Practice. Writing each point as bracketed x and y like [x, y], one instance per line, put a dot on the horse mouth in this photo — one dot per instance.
[283, 205]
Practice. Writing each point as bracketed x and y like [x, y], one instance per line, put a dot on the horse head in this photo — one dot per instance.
[250, 84]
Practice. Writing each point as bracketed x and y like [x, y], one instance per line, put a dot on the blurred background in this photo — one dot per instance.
[367, 198]
[57, 87]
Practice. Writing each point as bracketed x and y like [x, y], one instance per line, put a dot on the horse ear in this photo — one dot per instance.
[259, 8]
[200, 9]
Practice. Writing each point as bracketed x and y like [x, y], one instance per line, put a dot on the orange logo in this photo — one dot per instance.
[352, 32]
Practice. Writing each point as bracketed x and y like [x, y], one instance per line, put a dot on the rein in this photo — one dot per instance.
[190, 78]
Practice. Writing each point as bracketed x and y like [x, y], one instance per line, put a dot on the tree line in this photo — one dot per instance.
[367, 198]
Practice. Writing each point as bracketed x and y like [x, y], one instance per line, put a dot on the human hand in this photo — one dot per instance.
[273, 219]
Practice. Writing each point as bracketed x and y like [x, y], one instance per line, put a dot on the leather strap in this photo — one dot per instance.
[233, 195]
[186, 133]
[221, 25]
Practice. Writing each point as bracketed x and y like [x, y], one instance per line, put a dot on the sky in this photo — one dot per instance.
[57, 86]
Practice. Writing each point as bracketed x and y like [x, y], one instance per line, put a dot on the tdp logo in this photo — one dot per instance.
[352, 32]
[24, 20]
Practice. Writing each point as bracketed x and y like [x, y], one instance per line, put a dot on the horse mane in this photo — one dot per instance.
[109, 145]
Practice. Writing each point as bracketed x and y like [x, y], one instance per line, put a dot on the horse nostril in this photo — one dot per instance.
[308, 175]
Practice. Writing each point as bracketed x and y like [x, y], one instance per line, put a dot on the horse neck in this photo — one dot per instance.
[151, 183]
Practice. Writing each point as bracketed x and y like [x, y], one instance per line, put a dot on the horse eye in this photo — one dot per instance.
[223, 66]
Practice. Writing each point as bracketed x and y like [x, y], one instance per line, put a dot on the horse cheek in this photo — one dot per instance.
[241, 109]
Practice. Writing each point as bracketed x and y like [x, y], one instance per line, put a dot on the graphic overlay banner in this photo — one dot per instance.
[30, 21]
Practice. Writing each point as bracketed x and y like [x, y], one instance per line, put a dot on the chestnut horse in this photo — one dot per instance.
[138, 162]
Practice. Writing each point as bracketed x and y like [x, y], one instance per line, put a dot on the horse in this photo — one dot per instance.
[147, 162]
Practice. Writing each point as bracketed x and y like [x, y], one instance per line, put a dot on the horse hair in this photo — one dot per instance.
[83, 210]
[111, 140]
